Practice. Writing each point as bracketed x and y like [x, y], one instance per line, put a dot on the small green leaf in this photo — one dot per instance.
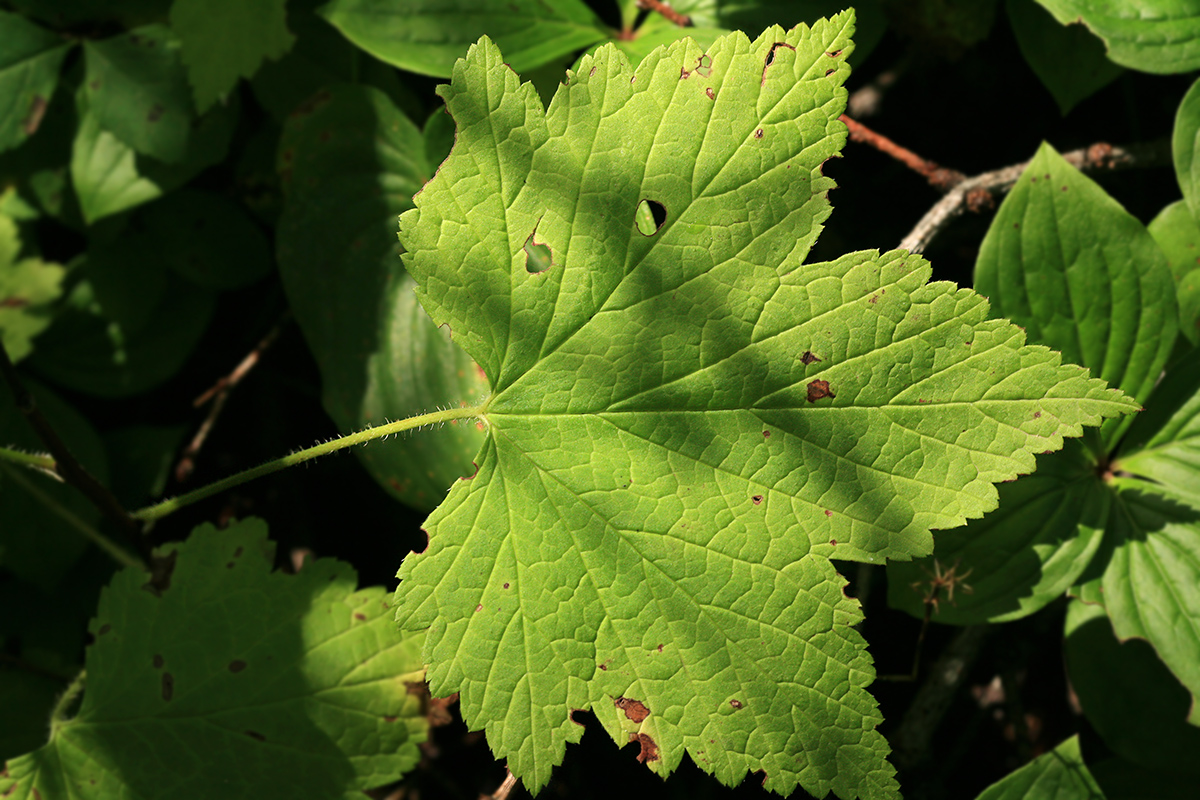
[28, 287]
[109, 177]
[684, 428]
[1057, 775]
[38, 542]
[1020, 557]
[1185, 148]
[224, 40]
[233, 681]
[30, 59]
[1178, 234]
[1081, 275]
[350, 162]
[1068, 59]
[1159, 36]
[1128, 695]
[137, 89]
[427, 36]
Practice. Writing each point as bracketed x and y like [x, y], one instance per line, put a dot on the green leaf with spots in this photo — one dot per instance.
[427, 36]
[1057, 775]
[685, 427]
[1158, 36]
[137, 89]
[30, 59]
[350, 162]
[225, 40]
[28, 288]
[233, 681]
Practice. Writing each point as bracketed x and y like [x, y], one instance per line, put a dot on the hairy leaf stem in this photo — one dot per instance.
[160, 510]
[67, 700]
[35, 460]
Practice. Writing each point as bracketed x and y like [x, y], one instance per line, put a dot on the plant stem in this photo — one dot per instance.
[59, 715]
[160, 510]
[119, 554]
[34, 460]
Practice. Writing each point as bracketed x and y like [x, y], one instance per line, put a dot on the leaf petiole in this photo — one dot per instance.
[169, 506]
[34, 460]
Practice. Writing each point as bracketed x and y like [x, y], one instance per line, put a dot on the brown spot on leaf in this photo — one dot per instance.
[833, 542]
[160, 573]
[105, 628]
[828, 513]
[1037, 415]
[228, 565]
[711, 94]
[649, 750]
[757, 499]
[819, 390]
[237, 665]
[158, 661]
[156, 113]
[237, 553]
[770, 59]
[168, 686]
[479, 607]
[256, 736]
[660, 648]
[506, 586]
[634, 709]
[735, 703]
[390, 718]
[33, 120]
[829, 72]
[358, 615]
[808, 358]
[766, 434]
[758, 134]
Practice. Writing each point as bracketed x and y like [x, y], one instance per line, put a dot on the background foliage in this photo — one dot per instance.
[184, 181]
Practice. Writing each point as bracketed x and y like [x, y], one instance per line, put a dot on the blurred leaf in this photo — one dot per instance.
[71, 13]
[30, 60]
[224, 40]
[428, 36]
[288, 680]
[1185, 147]
[350, 162]
[1057, 775]
[1178, 234]
[142, 457]
[1128, 695]
[1069, 59]
[28, 287]
[137, 90]
[1159, 36]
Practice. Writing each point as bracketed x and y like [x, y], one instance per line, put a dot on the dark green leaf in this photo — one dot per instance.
[350, 162]
[1069, 59]
[1128, 694]
[30, 59]
[208, 239]
[137, 90]
[427, 36]
[224, 40]
[1185, 147]
[233, 681]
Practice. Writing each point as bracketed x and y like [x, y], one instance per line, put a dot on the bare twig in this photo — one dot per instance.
[501, 793]
[938, 176]
[868, 99]
[65, 463]
[979, 192]
[218, 393]
[682, 20]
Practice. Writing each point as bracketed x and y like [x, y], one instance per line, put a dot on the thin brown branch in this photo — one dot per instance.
[938, 176]
[218, 393]
[502, 792]
[682, 20]
[980, 192]
[65, 463]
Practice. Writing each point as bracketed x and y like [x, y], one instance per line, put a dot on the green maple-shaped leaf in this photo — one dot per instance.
[232, 681]
[686, 423]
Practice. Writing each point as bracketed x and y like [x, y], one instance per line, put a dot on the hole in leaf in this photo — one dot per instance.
[537, 256]
[651, 215]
